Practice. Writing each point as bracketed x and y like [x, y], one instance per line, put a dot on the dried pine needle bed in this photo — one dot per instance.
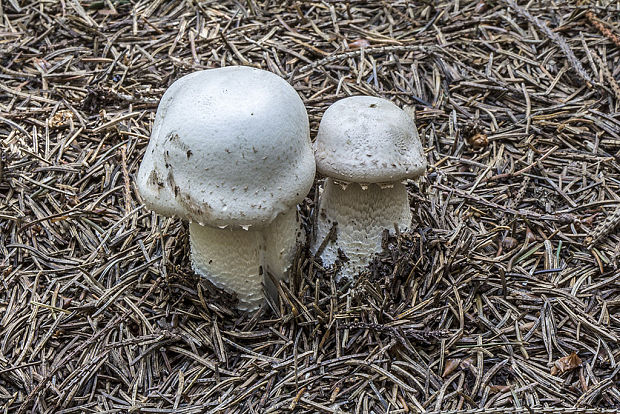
[505, 295]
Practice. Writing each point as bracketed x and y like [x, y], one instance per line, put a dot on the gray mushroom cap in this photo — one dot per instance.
[368, 140]
[229, 146]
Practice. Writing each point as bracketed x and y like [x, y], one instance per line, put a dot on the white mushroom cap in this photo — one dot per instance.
[365, 139]
[229, 146]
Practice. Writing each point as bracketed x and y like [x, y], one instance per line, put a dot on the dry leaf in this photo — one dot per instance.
[334, 394]
[494, 389]
[526, 326]
[566, 363]
[451, 365]
[481, 7]
[359, 43]
[587, 221]
[474, 136]
[468, 364]
[61, 118]
[478, 140]
[107, 12]
[509, 243]
[529, 235]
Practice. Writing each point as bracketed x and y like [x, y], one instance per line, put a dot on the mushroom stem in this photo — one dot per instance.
[281, 241]
[231, 259]
[362, 212]
[237, 260]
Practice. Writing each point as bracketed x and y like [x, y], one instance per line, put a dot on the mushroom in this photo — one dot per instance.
[230, 152]
[366, 147]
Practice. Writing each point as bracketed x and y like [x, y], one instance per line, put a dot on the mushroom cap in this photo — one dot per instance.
[229, 146]
[365, 139]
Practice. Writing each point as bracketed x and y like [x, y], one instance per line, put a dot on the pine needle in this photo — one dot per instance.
[555, 38]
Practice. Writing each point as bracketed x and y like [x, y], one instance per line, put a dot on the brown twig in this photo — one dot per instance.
[604, 228]
[601, 28]
[126, 180]
[607, 75]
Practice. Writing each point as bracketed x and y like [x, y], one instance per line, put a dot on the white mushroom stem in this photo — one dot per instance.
[230, 259]
[281, 240]
[237, 260]
[362, 213]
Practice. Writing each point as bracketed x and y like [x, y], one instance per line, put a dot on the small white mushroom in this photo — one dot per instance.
[230, 152]
[366, 147]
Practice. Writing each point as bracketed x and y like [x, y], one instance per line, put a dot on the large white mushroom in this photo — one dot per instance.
[230, 152]
[366, 147]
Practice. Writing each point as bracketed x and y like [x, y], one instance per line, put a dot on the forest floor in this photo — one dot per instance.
[504, 297]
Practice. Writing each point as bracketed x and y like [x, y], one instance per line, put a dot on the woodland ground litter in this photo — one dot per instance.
[505, 294]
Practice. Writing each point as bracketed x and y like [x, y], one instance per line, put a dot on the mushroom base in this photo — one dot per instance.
[237, 260]
[361, 214]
